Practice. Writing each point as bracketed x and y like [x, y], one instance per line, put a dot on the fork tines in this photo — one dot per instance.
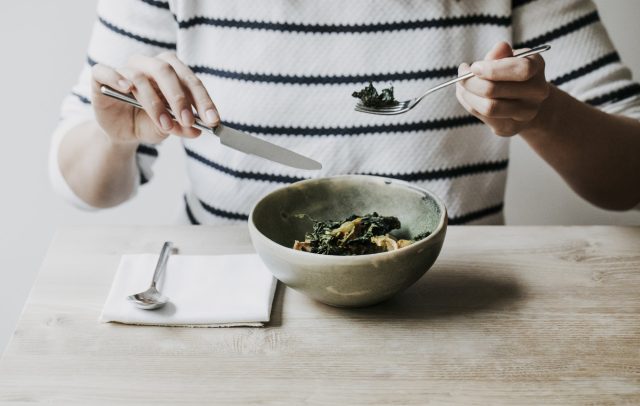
[400, 107]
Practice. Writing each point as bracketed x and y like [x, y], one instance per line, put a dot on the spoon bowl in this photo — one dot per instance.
[152, 298]
[149, 299]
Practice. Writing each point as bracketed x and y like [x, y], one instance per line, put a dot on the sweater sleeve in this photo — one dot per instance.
[582, 61]
[122, 28]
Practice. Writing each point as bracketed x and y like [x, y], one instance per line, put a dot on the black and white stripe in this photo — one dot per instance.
[623, 93]
[435, 73]
[418, 176]
[145, 40]
[461, 219]
[284, 70]
[592, 66]
[156, 3]
[294, 28]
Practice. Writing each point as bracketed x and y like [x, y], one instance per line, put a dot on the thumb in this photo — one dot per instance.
[499, 51]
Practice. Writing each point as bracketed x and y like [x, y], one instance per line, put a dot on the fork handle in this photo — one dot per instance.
[523, 54]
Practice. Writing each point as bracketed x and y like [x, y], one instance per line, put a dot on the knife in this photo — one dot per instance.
[235, 139]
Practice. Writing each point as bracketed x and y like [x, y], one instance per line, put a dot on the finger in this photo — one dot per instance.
[509, 69]
[463, 69]
[532, 90]
[185, 132]
[499, 51]
[146, 94]
[464, 103]
[166, 79]
[105, 75]
[518, 110]
[503, 127]
[202, 100]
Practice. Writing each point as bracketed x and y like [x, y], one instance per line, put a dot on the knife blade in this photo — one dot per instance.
[249, 144]
[235, 139]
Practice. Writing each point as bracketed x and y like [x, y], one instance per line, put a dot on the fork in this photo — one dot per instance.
[404, 106]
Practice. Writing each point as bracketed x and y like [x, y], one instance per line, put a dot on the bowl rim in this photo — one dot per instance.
[352, 259]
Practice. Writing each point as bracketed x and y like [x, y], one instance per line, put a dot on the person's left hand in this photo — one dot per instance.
[507, 93]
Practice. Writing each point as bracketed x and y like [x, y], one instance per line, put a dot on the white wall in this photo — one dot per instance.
[43, 48]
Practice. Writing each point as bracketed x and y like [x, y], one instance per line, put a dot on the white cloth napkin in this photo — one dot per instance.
[203, 291]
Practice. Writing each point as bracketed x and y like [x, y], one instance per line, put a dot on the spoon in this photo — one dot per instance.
[404, 106]
[151, 298]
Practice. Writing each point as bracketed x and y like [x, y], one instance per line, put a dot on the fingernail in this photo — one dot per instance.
[165, 122]
[124, 84]
[212, 116]
[476, 68]
[187, 117]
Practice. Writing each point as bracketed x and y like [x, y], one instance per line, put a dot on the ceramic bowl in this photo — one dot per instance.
[347, 281]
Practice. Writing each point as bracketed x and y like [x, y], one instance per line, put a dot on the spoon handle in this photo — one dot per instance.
[162, 262]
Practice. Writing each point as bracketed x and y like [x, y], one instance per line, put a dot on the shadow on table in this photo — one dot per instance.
[276, 308]
[449, 292]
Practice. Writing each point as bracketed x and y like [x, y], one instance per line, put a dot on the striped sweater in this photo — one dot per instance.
[284, 70]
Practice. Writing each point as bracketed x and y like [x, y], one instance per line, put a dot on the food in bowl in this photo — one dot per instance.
[355, 235]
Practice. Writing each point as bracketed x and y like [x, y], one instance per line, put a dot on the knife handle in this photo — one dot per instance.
[114, 94]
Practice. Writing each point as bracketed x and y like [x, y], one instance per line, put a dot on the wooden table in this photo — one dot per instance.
[508, 315]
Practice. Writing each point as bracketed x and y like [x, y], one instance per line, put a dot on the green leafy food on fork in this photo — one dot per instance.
[370, 97]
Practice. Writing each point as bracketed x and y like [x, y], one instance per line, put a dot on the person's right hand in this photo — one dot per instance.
[155, 82]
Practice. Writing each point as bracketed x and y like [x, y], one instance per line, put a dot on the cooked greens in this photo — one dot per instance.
[356, 235]
[370, 97]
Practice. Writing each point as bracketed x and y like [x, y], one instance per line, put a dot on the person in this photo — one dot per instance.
[285, 70]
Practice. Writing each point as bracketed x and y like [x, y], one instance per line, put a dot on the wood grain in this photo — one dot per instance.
[508, 315]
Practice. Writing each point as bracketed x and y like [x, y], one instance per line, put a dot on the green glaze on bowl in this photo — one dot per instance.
[347, 281]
